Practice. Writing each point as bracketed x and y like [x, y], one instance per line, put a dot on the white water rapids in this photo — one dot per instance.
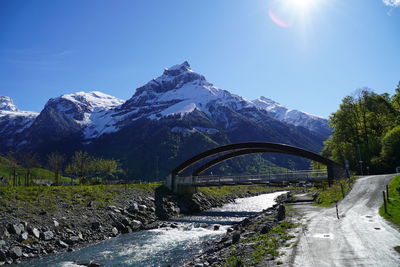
[164, 246]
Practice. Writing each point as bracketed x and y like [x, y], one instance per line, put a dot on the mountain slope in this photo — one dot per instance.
[293, 116]
[167, 120]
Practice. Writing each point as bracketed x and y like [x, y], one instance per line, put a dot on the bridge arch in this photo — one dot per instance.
[335, 170]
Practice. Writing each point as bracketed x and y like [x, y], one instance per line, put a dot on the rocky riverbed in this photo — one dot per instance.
[252, 242]
[27, 232]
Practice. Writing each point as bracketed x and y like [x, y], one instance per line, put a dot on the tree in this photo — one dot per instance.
[29, 161]
[55, 162]
[359, 125]
[80, 166]
[13, 166]
[391, 148]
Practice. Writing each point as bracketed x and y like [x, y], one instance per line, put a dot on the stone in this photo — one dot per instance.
[216, 227]
[72, 240]
[62, 244]
[56, 224]
[34, 232]
[15, 252]
[16, 229]
[136, 224]
[48, 235]
[133, 208]
[281, 213]
[142, 207]
[96, 226]
[235, 237]
[3, 256]
[265, 229]
[23, 236]
[2, 243]
[114, 231]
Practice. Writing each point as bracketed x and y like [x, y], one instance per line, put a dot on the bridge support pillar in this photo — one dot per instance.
[186, 190]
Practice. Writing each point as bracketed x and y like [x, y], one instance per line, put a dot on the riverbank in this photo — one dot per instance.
[255, 241]
[41, 220]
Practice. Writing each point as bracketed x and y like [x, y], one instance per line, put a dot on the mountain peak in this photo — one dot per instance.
[94, 99]
[178, 69]
[7, 104]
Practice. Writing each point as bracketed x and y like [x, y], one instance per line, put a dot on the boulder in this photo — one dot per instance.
[133, 208]
[15, 252]
[46, 236]
[136, 224]
[3, 256]
[235, 237]
[72, 240]
[142, 207]
[62, 244]
[23, 236]
[96, 226]
[216, 227]
[56, 224]
[281, 213]
[34, 232]
[114, 231]
[16, 229]
[2, 243]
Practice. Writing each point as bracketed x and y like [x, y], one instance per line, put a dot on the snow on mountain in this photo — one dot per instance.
[292, 116]
[12, 120]
[178, 91]
[7, 104]
[83, 106]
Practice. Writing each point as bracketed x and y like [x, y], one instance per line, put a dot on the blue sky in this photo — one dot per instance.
[325, 51]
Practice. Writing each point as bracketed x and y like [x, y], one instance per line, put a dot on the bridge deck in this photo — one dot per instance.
[212, 180]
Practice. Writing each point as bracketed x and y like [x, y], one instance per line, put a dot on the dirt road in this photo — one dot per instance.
[359, 238]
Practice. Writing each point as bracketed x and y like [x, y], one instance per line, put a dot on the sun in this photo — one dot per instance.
[288, 13]
[301, 6]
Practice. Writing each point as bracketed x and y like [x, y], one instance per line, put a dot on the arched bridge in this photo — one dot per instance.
[220, 154]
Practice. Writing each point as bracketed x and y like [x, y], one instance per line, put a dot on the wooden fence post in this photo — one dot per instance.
[384, 201]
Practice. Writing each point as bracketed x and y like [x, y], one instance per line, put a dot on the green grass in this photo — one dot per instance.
[37, 173]
[238, 189]
[47, 196]
[327, 196]
[393, 206]
[234, 262]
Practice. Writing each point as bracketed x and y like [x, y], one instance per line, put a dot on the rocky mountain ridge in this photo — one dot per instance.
[176, 109]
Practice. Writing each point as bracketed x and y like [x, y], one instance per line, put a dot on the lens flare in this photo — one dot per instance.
[277, 20]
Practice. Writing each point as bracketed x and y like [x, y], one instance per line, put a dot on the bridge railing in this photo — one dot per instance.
[290, 176]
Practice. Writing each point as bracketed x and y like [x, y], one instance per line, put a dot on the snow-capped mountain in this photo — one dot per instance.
[293, 116]
[171, 118]
[12, 120]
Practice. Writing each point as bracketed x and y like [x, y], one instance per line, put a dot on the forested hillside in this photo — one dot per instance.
[366, 132]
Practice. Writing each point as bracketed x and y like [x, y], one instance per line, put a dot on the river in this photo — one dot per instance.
[164, 246]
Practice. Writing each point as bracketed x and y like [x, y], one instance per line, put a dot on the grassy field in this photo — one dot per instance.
[393, 206]
[46, 196]
[219, 191]
[37, 173]
[327, 196]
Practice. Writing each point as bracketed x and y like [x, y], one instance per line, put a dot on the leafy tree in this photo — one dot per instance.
[29, 161]
[391, 148]
[55, 162]
[80, 166]
[359, 125]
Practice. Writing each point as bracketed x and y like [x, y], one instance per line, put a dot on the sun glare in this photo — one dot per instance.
[301, 5]
[287, 13]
